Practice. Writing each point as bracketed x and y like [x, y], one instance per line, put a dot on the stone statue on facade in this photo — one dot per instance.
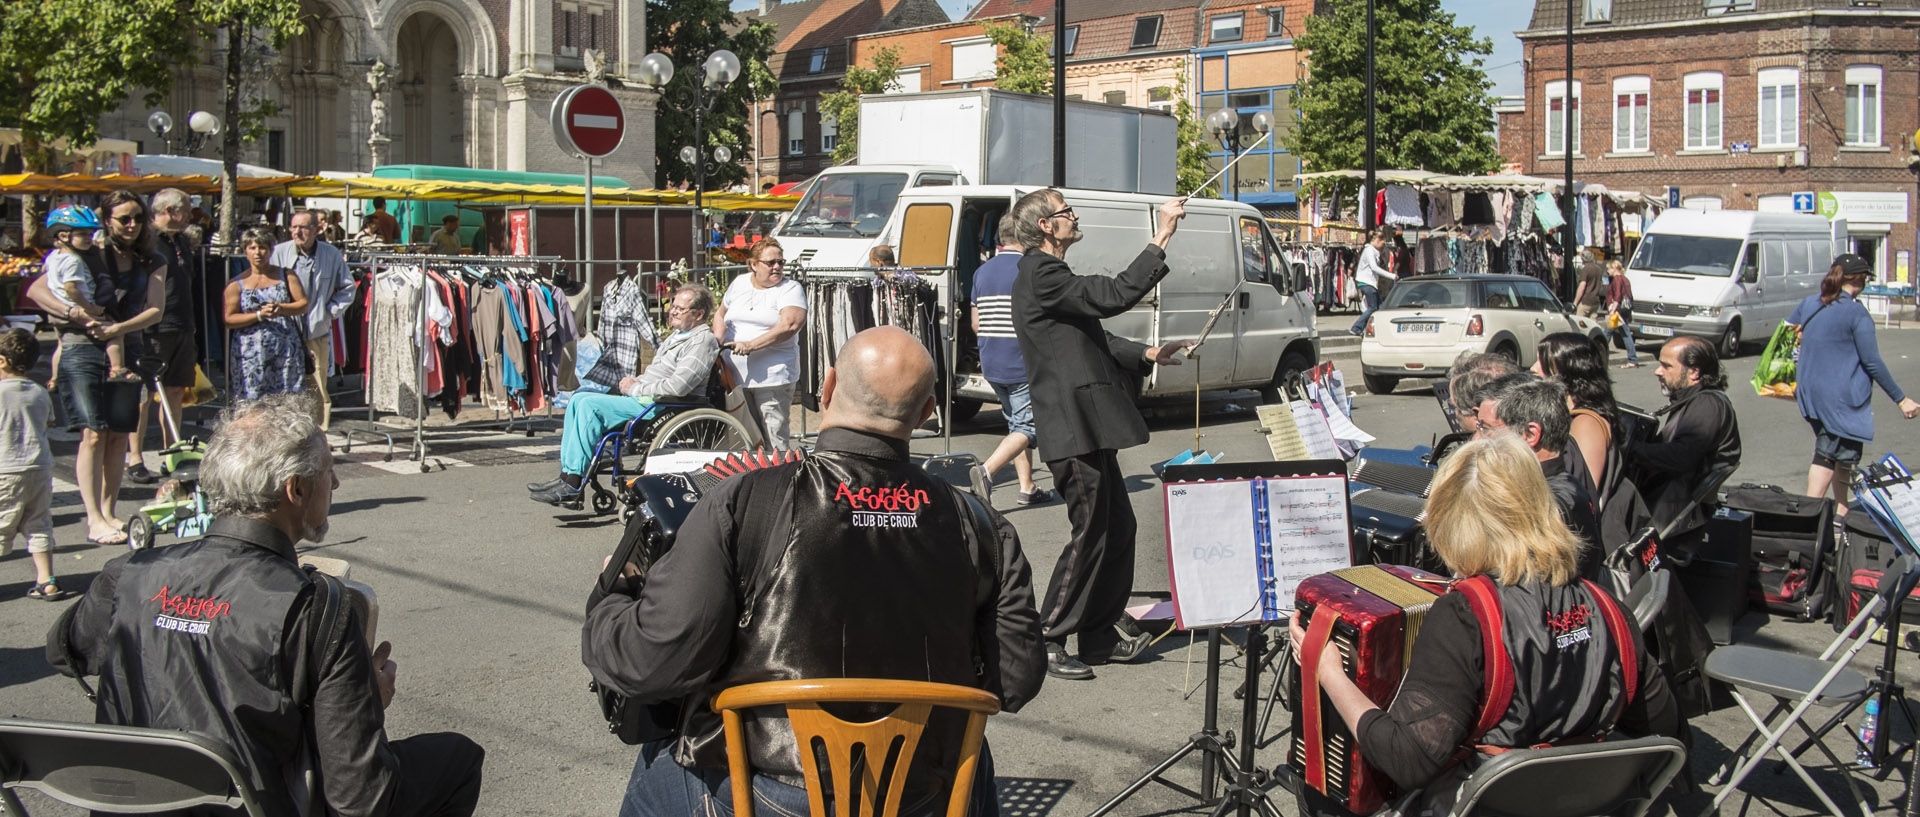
[596, 64]
[377, 123]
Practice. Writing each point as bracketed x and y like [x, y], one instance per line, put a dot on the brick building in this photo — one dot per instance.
[939, 57]
[791, 140]
[470, 85]
[1245, 59]
[1739, 104]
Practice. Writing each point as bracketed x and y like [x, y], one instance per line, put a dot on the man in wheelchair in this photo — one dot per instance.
[679, 370]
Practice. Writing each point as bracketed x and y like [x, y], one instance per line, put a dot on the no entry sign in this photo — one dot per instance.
[587, 119]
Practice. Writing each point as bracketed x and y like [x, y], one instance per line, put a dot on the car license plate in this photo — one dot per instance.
[1656, 331]
[1410, 328]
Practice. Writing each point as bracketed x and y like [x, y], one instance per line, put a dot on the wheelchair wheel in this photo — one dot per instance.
[602, 501]
[139, 532]
[701, 430]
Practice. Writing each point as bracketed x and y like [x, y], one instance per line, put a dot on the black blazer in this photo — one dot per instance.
[1082, 402]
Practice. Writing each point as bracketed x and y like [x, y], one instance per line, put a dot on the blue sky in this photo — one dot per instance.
[1495, 19]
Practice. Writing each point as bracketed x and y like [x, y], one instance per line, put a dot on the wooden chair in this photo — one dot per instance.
[915, 700]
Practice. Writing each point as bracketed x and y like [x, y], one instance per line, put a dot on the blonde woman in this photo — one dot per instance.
[1491, 514]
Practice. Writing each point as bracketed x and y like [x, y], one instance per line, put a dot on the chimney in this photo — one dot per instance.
[767, 6]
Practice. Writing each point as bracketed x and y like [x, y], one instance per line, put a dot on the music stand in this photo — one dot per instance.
[1247, 784]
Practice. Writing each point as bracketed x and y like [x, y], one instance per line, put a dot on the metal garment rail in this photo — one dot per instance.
[382, 261]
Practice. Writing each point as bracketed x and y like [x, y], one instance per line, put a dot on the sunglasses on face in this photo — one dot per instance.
[774, 262]
[132, 219]
[1064, 211]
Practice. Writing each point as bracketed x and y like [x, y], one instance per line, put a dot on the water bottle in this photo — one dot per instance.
[1869, 723]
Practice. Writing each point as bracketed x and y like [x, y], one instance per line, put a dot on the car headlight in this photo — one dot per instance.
[1707, 311]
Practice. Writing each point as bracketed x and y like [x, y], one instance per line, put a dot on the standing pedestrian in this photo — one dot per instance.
[1620, 312]
[1839, 365]
[173, 337]
[323, 276]
[1591, 292]
[1083, 407]
[26, 461]
[1005, 370]
[264, 307]
[1368, 276]
[760, 317]
[446, 240]
[384, 224]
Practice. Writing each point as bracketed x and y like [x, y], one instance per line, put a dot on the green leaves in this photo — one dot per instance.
[844, 105]
[1025, 63]
[687, 31]
[65, 63]
[1432, 98]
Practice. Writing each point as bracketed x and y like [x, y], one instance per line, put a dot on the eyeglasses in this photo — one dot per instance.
[132, 219]
[1064, 211]
[774, 262]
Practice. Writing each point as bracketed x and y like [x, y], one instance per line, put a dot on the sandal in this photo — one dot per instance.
[1629, 365]
[47, 592]
[118, 537]
[124, 376]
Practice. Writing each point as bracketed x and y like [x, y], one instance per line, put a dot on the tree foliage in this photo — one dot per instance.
[66, 63]
[1025, 61]
[687, 31]
[253, 32]
[1191, 154]
[844, 105]
[1433, 100]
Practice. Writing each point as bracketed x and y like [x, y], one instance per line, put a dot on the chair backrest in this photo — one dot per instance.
[1647, 596]
[124, 769]
[1619, 778]
[1705, 494]
[829, 746]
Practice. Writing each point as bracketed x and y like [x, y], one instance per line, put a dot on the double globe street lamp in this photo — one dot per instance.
[201, 126]
[718, 71]
[1224, 124]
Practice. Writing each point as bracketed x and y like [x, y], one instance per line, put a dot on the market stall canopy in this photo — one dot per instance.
[472, 193]
[163, 164]
[1511, 182]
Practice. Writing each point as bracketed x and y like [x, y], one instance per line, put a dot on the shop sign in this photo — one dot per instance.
[518, 232]
[1864, 207]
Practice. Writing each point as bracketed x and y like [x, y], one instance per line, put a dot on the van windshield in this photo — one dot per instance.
[1687, 254]
[847, 205]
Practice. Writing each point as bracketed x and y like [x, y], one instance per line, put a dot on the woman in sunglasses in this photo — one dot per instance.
[760, 317]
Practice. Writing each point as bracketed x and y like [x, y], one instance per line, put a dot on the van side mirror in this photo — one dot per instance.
[1750, 274]
[1302, 280]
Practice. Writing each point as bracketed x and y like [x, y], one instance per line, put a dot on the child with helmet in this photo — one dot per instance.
[73, 282]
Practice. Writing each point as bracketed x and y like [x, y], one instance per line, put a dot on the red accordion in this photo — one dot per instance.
[1372, 615]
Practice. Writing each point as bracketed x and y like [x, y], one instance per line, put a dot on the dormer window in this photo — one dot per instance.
[1146, 32]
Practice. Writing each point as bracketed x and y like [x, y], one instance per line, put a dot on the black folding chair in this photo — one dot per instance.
[123, 769]
[1616, 778]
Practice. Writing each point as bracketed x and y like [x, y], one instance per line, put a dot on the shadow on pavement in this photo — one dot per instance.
[1029, 796]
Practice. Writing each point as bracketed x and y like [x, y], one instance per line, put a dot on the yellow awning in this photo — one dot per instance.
[479, 194]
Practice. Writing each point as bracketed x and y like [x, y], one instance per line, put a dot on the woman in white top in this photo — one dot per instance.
[760, 318]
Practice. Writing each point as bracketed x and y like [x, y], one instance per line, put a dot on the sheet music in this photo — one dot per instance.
[1903, 504]
[1314, 431]
[1283, 434]
[1342, 425]
[1310, 531]
[1211, 552]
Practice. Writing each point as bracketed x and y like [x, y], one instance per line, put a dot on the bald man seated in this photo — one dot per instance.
[852, 563]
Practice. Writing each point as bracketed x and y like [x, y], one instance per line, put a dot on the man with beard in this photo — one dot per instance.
[1083, 409]
[1698, 433]
[186, 636]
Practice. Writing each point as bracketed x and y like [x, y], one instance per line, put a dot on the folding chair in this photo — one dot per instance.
[1648, 597]
[123, 769]
[1799, 683]
[1616, 778]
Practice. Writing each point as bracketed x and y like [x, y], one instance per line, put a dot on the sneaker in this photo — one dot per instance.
[982, 483]
[138, 474]
[537, 487]
[1037, 496]
[1066, 667]
[559, 496]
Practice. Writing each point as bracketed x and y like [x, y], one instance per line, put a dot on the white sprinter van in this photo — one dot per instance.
[1266, 334]
[1726, 275]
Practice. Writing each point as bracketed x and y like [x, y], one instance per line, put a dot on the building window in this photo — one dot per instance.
[796, 131]
[568, 48]
[905, 81]
[829, 133]
[1718, 7]
[276, 148]
[1276, 23]
[1557, 107]
[1073, 39]
[1598, 11]
[593, 30]
[1115, 97]
[1863, 105]
[1160, 99]
[1703, 110]
[974, 59]
[1226, 28]
[1779, 107]
[1630, 120]
[1146, 32]
[817, 61]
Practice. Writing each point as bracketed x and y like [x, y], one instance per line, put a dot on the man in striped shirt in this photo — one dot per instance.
[1005, 370]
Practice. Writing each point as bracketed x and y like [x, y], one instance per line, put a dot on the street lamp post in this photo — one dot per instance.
[1224, 124]
[1566, 150]
[718, 71]
[1369, 218]
[200, 126]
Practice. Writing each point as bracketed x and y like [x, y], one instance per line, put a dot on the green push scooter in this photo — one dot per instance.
[179, 507]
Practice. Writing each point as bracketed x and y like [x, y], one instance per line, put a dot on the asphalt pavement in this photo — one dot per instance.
[482, 594]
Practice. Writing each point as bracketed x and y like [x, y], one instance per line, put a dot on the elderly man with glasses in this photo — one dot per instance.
[322, 271]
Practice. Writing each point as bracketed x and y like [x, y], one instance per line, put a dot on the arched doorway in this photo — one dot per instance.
[431, 125]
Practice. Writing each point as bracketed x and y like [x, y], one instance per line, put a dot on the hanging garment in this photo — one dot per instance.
[1403, 206]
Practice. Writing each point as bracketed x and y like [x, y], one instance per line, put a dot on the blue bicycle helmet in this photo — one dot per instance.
[73, 215]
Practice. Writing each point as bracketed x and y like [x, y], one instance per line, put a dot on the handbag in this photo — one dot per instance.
[1777, 373]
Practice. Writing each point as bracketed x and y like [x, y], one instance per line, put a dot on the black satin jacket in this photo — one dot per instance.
[851, 563]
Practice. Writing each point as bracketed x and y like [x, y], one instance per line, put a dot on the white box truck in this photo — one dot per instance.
[978, 136]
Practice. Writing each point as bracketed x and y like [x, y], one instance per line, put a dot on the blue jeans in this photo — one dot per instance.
[590, 417]
[1623, 337]
[1371, 298]
[661, 787]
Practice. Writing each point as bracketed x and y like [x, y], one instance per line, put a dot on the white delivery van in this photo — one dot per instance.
[1266, 333]
[1726, 275]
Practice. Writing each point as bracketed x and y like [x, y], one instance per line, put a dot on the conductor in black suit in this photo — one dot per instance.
[1083, 412]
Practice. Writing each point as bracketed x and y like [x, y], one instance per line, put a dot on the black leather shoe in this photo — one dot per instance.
[536, 487]
[1066, 667]
[138, 474]
[560, 496]
[1133, 643]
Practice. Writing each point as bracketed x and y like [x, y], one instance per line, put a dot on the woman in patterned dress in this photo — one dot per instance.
[263, 309]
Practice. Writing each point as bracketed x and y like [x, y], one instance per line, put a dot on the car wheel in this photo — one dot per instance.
[1730, 342]
[1291, 364]
[1508, 349]
[1380, 383]
[964, 409]
[1600, 345]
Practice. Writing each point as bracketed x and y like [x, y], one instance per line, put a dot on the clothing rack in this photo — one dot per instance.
[940, 333]
[379, 262]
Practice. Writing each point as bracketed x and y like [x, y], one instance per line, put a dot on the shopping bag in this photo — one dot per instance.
[1777, 367]
[202, 391]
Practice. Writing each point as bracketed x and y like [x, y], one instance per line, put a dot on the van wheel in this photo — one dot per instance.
[1291, 364]
[963, 409]
[1730, 342]
[1380, 383]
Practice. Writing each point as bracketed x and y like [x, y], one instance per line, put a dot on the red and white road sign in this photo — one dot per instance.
[588, 120]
